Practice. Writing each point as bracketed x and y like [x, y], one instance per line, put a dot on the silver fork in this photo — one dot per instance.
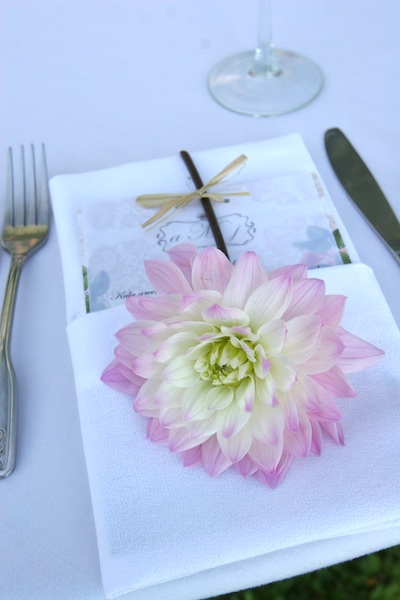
[26, 225]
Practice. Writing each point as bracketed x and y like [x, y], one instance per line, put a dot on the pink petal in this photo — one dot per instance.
[246, 467]
[275, 476]
[269, 301]
[145, 403]
[316, 438]
[331, 310]
[183, 255]
[145, 366]
[308, 295]
[115, 379]
[357, 353]
[155, 308]
[214, 460]
[335, 431]
[290, 412]
[327, 354]
[132, 377]
[326, 409]
[221, 315]
[302, 337]
[193, 305]
[125, 357]
[237, 446]
[131, 337]
[179, 440]
[298, 442]
[335, 382]
[265, 456]
[155, 432]
[247, 276]
[211, 270]
[166, 277]
[192, 457]
[295, 272]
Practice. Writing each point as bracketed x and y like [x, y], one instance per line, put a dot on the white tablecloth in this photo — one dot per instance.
[105, 83]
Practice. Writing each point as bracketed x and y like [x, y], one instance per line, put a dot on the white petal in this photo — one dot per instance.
[245, 394]
[267, 424]
[237, 446]
[266, 390]
[194, 404]
[199, 429]
[219, 397]
[176, 345]
[283, 371]
[180, 372]
[272, 336]
[168, 395]
[302, 337]
[231, 420]
[171, 417]
[269, 301]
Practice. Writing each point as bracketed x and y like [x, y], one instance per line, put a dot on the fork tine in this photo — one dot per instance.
[9, 203]
[31, 199]
[20, 207]
[44, 207]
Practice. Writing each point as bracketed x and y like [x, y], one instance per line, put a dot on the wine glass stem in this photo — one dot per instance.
[265, 58]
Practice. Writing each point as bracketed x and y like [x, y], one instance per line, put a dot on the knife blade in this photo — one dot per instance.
[362, 188]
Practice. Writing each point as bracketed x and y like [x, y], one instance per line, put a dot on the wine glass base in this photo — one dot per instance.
[239, 84]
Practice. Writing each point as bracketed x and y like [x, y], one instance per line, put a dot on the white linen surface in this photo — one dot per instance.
[170, 532]
[158, 522]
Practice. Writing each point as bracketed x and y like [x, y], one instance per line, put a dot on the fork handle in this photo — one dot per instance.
[8, 382]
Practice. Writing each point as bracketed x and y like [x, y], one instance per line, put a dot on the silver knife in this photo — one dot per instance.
[362, 188]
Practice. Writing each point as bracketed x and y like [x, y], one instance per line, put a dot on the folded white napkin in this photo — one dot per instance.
[165, 531]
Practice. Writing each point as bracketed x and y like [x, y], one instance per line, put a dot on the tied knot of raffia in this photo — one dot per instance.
[169, 202]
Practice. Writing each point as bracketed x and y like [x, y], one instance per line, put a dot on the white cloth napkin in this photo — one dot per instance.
[169, 532]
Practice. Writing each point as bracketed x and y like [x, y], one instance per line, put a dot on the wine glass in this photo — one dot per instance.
[265, 81]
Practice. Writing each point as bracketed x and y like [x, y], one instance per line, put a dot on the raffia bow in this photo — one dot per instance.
[168, 202]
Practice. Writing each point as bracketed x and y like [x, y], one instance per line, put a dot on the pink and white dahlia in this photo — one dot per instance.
[234, 366]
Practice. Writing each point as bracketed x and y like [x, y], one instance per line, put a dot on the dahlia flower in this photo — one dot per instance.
[234, 366]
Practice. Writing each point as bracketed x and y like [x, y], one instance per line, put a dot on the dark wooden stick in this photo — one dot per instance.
[207, 206]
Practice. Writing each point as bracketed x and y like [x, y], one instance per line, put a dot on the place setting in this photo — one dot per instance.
[235, 361]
